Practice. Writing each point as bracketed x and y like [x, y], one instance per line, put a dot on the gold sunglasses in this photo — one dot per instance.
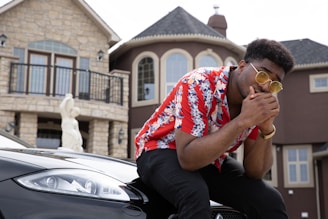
[263, 77]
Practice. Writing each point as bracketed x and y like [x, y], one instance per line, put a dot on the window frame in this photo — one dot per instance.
[298, 184]
[208, 52]
[312, 78]
[164, 58]
[274, 174]
[231, 60]
[134, 93]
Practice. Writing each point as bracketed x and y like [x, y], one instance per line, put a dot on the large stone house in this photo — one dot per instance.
[178, 42]
[48, 49]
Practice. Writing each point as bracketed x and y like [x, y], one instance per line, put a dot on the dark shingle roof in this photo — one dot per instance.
[306, 51]
[179, 22]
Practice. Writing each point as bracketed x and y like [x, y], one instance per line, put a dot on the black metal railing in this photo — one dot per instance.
[47, 80]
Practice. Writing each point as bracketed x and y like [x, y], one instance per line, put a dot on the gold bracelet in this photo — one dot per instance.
[268, 136]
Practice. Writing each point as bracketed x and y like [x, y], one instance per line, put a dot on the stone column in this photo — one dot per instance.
[28, 127]
[98, 137]
[118, 143]
[5, 61]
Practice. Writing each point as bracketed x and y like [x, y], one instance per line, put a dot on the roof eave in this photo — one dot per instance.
[10, 5]
[320, 154]
[311, 66]
[137, 42]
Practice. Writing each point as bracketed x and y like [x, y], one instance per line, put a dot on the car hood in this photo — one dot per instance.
[34, 159]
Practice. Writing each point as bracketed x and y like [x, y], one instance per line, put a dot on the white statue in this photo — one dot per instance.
[71, 136]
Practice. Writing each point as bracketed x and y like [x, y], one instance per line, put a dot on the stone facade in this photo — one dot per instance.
[70, 23]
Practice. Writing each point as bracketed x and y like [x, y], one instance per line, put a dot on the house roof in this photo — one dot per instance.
[306, 51]
[113, 38]
[179, 22]
[179, 26]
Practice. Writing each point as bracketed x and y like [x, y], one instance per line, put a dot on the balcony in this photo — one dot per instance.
[47, 80]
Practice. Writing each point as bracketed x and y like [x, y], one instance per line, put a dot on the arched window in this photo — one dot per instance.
[176, 67]
[146, 79]
[207, 61]
[208, 58]
[229, 61]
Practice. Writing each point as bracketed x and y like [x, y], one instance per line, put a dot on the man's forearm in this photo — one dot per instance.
[258, 157]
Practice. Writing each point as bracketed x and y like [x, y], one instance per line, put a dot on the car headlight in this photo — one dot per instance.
[76, 182]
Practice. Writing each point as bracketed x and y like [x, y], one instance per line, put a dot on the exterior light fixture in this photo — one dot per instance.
[3, 39]
[10, 126]
[120, 136]
[100, 55]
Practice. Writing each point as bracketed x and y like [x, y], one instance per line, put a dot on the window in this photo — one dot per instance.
[65, 79]
[40, 78]
[84, 79]
[38, 73]
[208, 59]
[53, 46]
[176, 63]
[271, 177]
[48, 138]
[318, 83]
[176, 66]
[229, 61]
[145, 79]
[298, 166]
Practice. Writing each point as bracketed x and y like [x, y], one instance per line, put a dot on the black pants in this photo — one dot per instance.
[190, 191]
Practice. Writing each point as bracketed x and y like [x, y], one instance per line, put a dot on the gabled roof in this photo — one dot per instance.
[113, 38]
[179, 22]
[306, 51]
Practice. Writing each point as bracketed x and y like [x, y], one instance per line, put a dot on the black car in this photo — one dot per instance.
[56, 184]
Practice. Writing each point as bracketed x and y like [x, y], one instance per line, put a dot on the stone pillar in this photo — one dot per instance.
[4, 71]
[28, 127]
[118, 148]
[98, 137]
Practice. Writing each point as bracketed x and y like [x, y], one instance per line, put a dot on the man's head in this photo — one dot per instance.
[269, 49]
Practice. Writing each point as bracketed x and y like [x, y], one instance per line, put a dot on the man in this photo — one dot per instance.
[182, 149]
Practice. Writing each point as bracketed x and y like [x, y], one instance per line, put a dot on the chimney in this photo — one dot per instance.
[218, 22]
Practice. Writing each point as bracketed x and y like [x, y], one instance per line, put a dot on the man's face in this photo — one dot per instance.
[248, 77]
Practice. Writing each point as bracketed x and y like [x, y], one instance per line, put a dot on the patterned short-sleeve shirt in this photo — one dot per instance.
[197, 105]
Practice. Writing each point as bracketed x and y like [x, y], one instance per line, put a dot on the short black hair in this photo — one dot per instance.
[269, 49]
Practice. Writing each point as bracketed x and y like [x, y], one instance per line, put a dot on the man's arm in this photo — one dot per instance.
[258, 157]
[195, 153]
[257, 108]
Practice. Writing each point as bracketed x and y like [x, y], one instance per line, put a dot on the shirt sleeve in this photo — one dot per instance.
[253, 135]
[192, 107]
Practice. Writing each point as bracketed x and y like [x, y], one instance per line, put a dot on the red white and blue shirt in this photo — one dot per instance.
[197, 105]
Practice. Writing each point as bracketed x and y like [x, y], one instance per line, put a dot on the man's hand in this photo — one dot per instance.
[260, 109]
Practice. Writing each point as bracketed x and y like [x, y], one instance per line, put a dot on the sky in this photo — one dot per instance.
[247, 20]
